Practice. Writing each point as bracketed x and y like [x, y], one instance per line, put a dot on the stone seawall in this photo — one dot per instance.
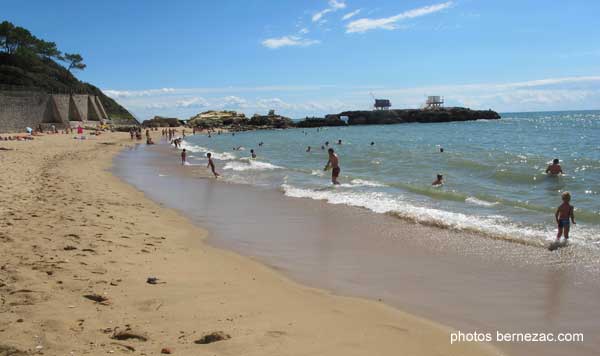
[22, 109]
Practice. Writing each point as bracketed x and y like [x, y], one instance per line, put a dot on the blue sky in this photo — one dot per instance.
[314, 57]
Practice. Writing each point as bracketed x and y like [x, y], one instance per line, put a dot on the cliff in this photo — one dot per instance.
[35, 74]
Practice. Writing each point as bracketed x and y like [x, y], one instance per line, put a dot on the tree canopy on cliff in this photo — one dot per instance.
[16, 40]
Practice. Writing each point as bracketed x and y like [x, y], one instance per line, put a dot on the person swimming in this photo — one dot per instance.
[308, 149]
[554, 168]
[439, 180]
[372, 143]
[339, 142]
[252, 153]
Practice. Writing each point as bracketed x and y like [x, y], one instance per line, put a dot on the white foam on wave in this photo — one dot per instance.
[366, 183]
[221, 156]
[250, 165]
[317, 172]
[473, 200]
[382, 203]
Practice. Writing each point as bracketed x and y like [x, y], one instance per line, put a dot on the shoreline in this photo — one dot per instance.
[70, 228]
[436, 266]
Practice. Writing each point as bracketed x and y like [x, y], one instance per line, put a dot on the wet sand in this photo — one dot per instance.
[77, 246]
[463, 280]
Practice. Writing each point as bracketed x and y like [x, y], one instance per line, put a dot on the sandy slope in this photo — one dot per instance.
[68, 228]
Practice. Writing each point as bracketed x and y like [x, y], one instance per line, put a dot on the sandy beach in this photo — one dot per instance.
[70, 229]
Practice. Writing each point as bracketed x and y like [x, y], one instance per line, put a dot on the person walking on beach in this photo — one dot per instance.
[564, 213]
[183, 156]
[333, 163]
[554, 168]
[211, 164]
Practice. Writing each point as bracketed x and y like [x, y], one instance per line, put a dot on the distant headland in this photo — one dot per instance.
[235, 121]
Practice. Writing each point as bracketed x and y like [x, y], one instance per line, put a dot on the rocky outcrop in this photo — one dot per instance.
[238, 121]
[329, 120]
[271, 121]
[217, 119]
[159, 121]
[385, 117]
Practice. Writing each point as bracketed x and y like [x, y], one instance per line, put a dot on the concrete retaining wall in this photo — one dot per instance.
[101, 107]
[81, 102]
[24, 109]
[20, 109]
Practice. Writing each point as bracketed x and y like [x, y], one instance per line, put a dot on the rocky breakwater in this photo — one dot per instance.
[385, 117]
[329, 120]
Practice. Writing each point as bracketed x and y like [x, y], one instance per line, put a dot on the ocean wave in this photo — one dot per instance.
[221, 156]
[250, 165]
[480, 202]
[494, 226]
[362, 183]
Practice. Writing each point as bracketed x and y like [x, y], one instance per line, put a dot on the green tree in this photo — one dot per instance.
[6, 29]
[75, 61]
[47, 49]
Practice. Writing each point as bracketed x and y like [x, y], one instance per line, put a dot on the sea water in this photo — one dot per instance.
[494, 171]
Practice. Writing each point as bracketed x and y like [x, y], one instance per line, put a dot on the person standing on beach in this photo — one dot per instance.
[183, 156]
[333, 163]
[211, 164]
[564, 212]
[554, 168]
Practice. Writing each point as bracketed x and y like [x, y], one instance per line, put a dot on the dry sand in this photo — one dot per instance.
[68, 228]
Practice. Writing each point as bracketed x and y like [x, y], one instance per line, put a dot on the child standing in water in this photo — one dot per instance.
[211, 164]
[183, 154]
[333, 163]
[563, 214]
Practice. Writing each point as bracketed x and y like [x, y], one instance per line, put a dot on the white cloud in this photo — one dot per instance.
[136, 93]
[233, 100]
[350, 14]
[337, 5]
[562, 93]
[284, 41]
[556, 93]
[334, 5]
[390, 23]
